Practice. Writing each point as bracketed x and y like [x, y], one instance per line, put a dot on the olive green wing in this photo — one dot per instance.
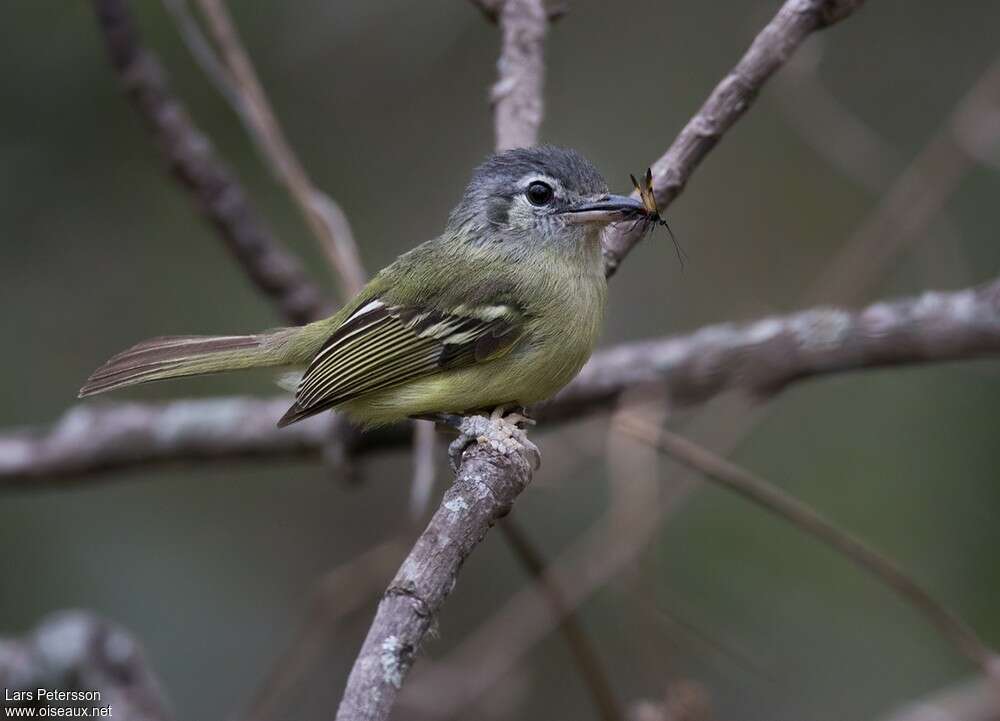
[382, 345]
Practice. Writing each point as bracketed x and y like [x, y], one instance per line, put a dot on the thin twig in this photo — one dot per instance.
[838, 135]
[215, 189]
[918, 195]
[340, 592]
[794, 22]
[585, 657]
[323, 216]
[204, 54]
[765, 494]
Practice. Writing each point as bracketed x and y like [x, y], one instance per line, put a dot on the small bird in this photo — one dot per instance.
[501, 310]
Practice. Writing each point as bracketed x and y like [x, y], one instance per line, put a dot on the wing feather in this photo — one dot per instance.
[380, 346]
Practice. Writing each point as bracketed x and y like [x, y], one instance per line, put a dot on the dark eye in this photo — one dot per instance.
[539, 193]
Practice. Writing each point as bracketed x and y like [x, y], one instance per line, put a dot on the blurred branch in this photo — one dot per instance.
[217, 192]
[422, 484]
[341, 591]
[517, 94]
[585, 657]
[323, 216]
[768, 496]
[829, 127]
[855, 149]
[486, 485]
[77, 651]
[761, 357]
[684, 700]
[977, 700]
[918, 194]
[490, 9]
[794, 22]
[204, 54]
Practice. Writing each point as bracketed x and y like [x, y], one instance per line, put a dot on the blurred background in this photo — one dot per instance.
[212, 567]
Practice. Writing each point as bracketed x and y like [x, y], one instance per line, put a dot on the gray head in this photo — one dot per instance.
[543, 194]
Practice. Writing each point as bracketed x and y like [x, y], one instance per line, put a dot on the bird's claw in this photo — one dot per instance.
[499, 432]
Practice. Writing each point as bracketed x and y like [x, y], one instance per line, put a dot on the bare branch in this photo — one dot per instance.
[484, 490]
[976, 700]
[323, 216]
[585, 657]
[842, 138]
[77, 651]
[917, 195]
[341, 591]
[765, 356]
[517, 94]
[768, 496]
[760, 357]
[555, 9]
[215, 189]
[794, 22]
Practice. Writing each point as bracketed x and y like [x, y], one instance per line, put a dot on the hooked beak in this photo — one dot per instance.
[605, 209]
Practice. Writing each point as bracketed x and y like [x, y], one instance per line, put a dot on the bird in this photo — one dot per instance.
[499, 311]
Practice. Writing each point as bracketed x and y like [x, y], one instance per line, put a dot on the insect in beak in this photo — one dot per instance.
[645, 190]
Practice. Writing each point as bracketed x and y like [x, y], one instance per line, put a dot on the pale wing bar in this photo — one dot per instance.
[382, 346]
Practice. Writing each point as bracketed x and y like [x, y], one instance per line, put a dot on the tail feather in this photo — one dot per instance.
[177, 356]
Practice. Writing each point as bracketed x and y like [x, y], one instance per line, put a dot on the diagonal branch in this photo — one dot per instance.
[584, 655]
[768, 496]
[195, 164]
[917, 195]
[323, 216]
[761, 358]
[731, 98]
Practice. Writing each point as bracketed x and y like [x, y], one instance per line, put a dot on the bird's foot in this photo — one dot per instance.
[500, 432]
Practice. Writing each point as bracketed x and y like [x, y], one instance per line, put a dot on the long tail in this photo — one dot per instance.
[177, 356]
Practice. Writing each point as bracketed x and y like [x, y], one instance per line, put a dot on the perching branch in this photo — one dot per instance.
[77, 651]
[760, 358]
[484, 490]
[216, 191]
[794, 22]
